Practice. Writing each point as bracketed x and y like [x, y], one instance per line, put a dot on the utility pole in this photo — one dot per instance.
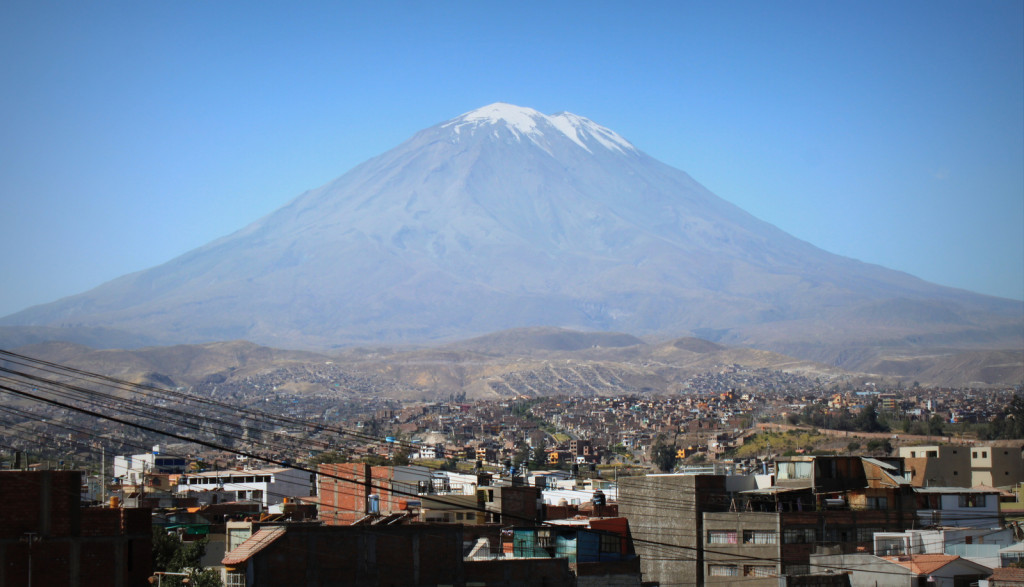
[103, 474]
[30, 538]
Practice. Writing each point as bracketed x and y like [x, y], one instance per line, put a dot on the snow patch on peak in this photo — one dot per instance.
[519, 119]
[574, 126]
[528, 122]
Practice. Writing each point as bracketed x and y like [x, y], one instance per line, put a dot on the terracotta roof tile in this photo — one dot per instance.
[1008, 574]
[923, 564]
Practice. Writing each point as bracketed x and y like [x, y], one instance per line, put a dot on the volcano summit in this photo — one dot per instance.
[505, 217]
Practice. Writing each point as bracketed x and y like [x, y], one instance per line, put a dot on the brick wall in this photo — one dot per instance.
[343, 489]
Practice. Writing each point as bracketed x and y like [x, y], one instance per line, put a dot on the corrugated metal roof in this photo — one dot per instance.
[257, 542]
[953, 490]
[878, 463]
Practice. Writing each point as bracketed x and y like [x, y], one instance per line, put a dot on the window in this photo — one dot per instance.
[984, 454]
[934, 453]
[866, 534]
[799, 536]
[759, 537]
[234, 579]
[610, 543]
[723, 571]
[721, 537]
[838, 534]
[544, 538]
[974, 454]
[972, 501]
[758, 571]
[878, 503]
[794, 470]
[797, 569]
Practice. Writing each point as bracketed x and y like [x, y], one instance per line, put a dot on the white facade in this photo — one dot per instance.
[131, 469]
[979, 545]
[267, 486]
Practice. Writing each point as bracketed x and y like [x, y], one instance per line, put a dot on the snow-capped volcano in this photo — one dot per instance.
[505, 217]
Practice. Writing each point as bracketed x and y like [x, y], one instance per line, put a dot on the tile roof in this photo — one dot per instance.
[923, 564]
[1007, 574]
[257, 542]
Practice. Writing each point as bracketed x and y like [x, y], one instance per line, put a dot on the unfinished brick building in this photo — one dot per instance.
[48, 538]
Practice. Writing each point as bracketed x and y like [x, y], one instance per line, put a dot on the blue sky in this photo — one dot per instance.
[132, 132]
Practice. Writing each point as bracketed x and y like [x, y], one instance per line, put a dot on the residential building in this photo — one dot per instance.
[964, 466]
[133, 469]
[958, 507]
[365, 556]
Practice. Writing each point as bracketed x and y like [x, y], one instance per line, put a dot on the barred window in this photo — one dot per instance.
[799, 536]
[972, 501]
[758, 571]
[721, 537]
[234, 579]
[759, 537]
[723, 571]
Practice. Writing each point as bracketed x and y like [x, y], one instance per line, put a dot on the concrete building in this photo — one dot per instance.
[665, 514]
[720, 529]
[742, 545]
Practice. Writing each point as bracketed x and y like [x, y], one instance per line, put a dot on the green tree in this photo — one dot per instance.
[664, 455]
[538, 457]
[867, 419]
[171, 555]
[400, 457]
[330, 456]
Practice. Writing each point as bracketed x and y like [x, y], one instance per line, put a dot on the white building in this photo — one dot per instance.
[979, 545]
[267, 486]
[131, 469]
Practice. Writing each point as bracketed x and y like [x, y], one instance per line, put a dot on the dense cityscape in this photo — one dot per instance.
[735, 475]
